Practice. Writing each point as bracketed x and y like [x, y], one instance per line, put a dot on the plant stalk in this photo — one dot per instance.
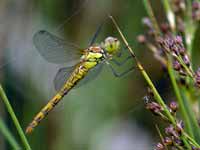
[179, 98]
[14, 118]
[151, 85]
[8, 136]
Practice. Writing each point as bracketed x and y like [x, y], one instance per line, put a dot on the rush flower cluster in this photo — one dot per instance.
[172, 43]
[196, 10]
[172, 138]
[174, 46]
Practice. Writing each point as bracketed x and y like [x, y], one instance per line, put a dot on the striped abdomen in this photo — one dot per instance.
[76, 76]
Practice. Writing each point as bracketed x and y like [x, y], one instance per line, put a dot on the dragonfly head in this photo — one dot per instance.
[111, 45]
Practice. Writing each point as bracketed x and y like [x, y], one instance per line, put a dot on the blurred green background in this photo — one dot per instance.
[105, 114]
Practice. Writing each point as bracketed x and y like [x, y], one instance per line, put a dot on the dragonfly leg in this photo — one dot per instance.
[121, 52]
[97, 32]
[122, 62]
[116, 74]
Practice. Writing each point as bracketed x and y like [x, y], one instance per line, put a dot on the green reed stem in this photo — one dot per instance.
[195, 46]
[193, 142]
[8, 136]
[150, 83]
[14, 118]
[189, 119]
[156, 27]
[191, 115]
[152, 17]
[158, 32]
[189, 27]
[170, 15]
[187, 69]
[179, 98]
[145, 75]
[161, 137]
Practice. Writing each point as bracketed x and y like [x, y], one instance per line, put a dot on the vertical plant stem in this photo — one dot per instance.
[192, 116]
[161, 137]
[14, 118]
[195, 46]
[8, 136]
[150, 83]
[191, 140]
[179, 98]
[170, 15]
[145, 75]
[190, 27]
[187, 69]
[171, 19]
[152, 17]
[156, 94]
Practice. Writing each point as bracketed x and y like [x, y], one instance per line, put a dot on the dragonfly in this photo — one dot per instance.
[81, 64]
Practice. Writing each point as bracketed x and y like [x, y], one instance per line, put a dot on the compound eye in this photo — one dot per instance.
[109, 39]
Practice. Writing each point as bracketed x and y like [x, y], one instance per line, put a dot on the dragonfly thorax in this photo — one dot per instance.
[93, 54]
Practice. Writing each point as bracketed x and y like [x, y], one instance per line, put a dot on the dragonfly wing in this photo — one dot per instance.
[64, 73]
[94, 37]
[56, 50]
[61, 77]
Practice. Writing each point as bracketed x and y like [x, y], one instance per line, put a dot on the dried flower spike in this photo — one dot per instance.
[195, 148]
[196, 11]
[154, 107]
[178, 142]
[179, 127]
[173, 45]
[173, 107]
[141, 39]
[197, 78]
[165, 28]
[167, 141]
[171, 131]
[146, 21]
[159, 146]
[186, 60]
[176, 65]
[179, 6]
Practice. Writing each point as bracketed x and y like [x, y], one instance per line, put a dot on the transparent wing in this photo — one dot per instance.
[91, 75]
[64, 73]
[99, 29]
[56, 50]
[61, 77]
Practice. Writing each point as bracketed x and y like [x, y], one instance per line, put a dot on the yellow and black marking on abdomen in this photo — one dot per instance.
[80, 71]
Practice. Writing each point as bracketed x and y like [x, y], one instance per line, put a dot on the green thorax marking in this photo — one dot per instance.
[92, 56]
